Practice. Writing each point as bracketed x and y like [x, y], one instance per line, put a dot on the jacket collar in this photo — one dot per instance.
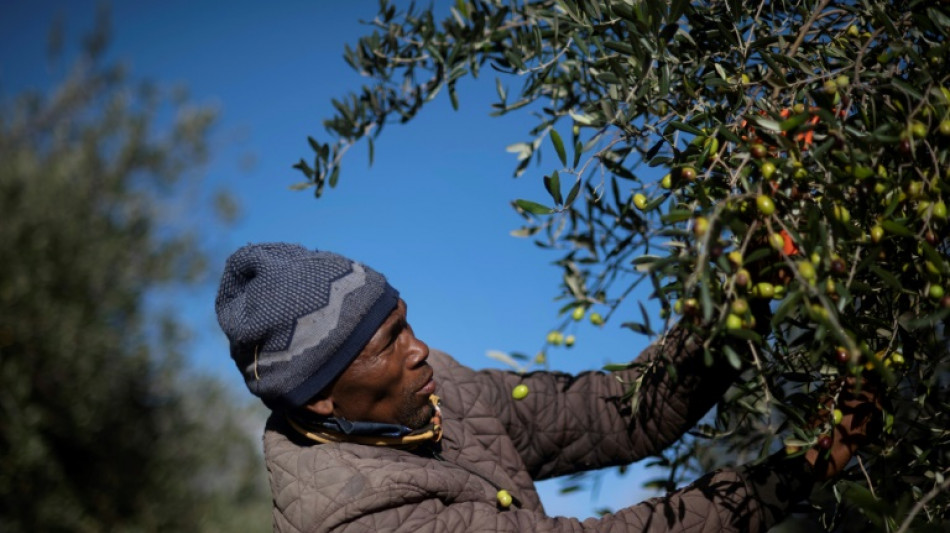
[329, 429]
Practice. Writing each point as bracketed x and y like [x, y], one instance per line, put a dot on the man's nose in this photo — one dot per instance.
[418, 352]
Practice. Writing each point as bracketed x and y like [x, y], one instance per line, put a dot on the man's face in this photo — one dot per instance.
[389, 381]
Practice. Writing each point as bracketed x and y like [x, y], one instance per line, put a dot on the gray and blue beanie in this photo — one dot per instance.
[296, 318]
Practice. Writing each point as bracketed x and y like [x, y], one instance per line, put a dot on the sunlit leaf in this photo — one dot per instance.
[558, 146]
[553, 184]
[533, 207]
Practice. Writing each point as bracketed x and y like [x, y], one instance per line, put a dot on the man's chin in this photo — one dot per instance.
[422, 417]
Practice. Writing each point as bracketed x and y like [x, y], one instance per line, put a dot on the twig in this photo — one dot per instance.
[554, 59]
[401, 60]
[858, 60]
[758, 365]
[919, 506]
[806, 27]
[866, 476]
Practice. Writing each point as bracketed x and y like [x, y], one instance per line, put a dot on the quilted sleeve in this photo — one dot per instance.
[751, 499]
[571, 423]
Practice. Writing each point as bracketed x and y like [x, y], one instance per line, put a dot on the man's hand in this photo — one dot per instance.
[860, 409]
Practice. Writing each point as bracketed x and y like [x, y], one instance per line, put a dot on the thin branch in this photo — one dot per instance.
[806, 27]
[866, 476]
[921, 503]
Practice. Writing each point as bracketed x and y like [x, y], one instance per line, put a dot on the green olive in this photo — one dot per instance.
[776, 241]
[807, 270]
[877, 233]
[841, 214]
[735, 257]
[640, 201]
[578, 312]
[740, 306]
[504, 498]
[763, 289]
[936, 291]
[765, 204]
[700, 226]
[733, 322]
[519, 392]
[940, 209]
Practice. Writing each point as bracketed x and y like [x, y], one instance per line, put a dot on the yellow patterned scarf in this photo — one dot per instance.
[431, 432]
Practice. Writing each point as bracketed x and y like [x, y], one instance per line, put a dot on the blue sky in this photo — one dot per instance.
[432, 213]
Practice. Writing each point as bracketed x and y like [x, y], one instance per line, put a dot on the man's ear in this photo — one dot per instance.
[322, 405]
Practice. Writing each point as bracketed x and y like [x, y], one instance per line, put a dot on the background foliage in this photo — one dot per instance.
[727, 153]
[101, 429]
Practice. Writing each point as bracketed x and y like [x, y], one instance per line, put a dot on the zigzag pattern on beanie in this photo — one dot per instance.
[296, 318]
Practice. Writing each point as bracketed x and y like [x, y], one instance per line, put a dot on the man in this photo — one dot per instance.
[359, 439]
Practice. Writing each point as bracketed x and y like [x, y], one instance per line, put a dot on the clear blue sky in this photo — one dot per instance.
[432, 213]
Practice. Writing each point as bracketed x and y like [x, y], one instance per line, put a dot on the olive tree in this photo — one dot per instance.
[101, 429]
[793, 153]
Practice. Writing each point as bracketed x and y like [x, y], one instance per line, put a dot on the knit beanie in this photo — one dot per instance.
[296, 318]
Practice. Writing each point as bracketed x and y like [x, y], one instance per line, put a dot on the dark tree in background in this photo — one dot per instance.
[794, 153]
[100, 427]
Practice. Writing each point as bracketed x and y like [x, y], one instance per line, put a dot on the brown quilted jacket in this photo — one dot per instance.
[566, 424]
